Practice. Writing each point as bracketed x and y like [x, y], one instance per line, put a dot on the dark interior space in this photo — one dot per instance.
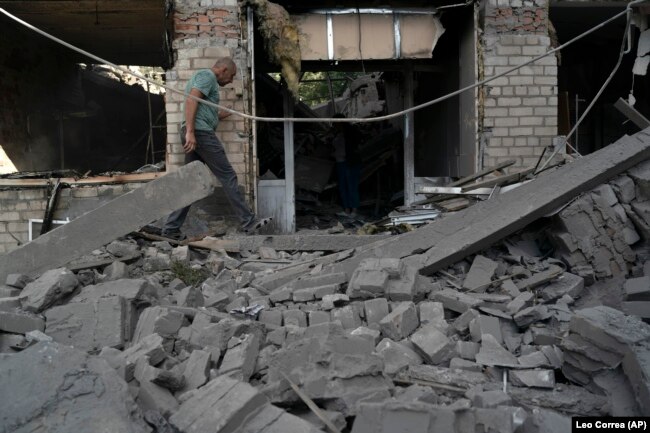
[57, 114]
[382, 179]
[583, 68]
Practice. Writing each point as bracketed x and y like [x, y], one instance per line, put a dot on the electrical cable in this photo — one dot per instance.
[323, 119]
[622, 52]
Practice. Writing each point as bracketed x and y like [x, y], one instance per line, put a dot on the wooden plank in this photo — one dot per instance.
[498, 181]
[306, 242]
[479, 226]
[453, 190]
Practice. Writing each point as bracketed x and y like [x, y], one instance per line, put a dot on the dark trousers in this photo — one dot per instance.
[210, 151]
[349, 176]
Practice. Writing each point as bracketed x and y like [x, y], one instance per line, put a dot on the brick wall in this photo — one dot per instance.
[19, 205]
[204, 31]
[520, 109]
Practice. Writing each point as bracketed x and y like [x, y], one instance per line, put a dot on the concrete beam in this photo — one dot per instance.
[450, 239]
[116, 218]
[307, 242]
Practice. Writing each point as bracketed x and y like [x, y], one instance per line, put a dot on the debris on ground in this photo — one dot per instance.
[538, 325]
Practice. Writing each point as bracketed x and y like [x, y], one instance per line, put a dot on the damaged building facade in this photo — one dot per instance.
[515, 117]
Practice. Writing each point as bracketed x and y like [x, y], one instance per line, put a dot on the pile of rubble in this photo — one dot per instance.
[517, 338]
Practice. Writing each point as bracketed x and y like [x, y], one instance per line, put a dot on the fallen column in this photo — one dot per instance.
[116, 218]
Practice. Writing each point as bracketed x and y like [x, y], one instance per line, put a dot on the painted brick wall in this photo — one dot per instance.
[18, 206]
[204, 31]
[519, 109]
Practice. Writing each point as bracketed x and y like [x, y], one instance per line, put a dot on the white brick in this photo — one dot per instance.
[520, 151]
[550, 70]
[508, 50]
[521, 90]
[496, 112]
[531, 121]
[508, 91]
[536, 101]
[545, 111]
[533, 51]
[190, 53]
[508, 141]
[496, 61]
[521, 141]
[532, 141]
[533, 91]
[550, 121]
[494, 142]
[548, 90]
[506, 121]
[498, 151]
[501, 81]
[509, 102]
[500, 132]
[521, 131]
[502, 69]
[520, 81]
[521, 111]
[216, 52]
[551, 81]
[174, 117]
[518, 60]
[545, 130]
[494, 91]
[529, 162]
[519, 39]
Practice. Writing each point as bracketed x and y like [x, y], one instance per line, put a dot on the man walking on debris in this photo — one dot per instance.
[201, 143]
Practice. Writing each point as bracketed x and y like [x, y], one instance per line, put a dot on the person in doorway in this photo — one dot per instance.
[200, 142]
[346, 142]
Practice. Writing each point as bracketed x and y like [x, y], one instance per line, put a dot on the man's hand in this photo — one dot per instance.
[223, 114]
[190, 142]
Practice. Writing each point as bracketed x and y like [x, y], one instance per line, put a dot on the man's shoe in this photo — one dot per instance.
[176, 235]
[256, 224]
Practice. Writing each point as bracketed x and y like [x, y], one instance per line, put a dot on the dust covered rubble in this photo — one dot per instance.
[518, 338]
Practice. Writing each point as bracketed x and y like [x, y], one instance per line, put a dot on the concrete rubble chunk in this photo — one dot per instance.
[401, 322]
[493, 354]
[480, 274]
[295, 318]
[155, 397]
[317, 317]
[446, 376]
[609, 329]
[530, 315]
[189, 297]
[636, 366]
[48, 289]
[533, 378]
[433, 313]
[375, 309]
[271, 419]
[320, 280]
[400, 417]
[56, 388]
[637, 289]
[467, 349]
[461, 324]
[150, 347]
[158, 320]
[566, 284]
[241, 356]
[367, 333]
[456, 301]
[624, 188]
[463, 364]
[196, 370]
[523, 300]
[20, 323]
[93, 229]
[367, 283]
[18, 281]
[482, 325]
[569, 399]
[348, 316]
[431, 344]
[89, 325]
[489, 399]
[223, 405]
[396, 356]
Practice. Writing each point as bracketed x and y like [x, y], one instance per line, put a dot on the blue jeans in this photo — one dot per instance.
[210, 151]
[349, 175]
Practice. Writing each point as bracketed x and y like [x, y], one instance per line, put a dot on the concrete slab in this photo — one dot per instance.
[451, 239]
[609, 329]
[533, 378]
[196, 370]
[133, 210]
[637, 289]
[241, 356]
[396, 356]
[20, 323]
[480, 274]
[56, 388]
[636, 365]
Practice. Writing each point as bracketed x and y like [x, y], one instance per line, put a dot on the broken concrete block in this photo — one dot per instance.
[401, 322]
[47, 289]
[636, 366]
[482, 325]
[396, 356]
[463, 364]
[271, 419]
[223, 405]
[467, 349]
[609, 329]
[272, 317]
[375, 310]
[480, 274]
[433, 313]
[534, 360]
[196, 370]
[189, 297]
[446, 376]
[531, 315]
[606, 193]
[404, 288]
[412, 417]
[317, 317]
[10, 304]
[624, 188]
[115, 271]
[456, 301]
[241, 356]
[295, 317]
[491, 399]
[304, 295]
[332, 301]
[370, 334]
[20, 323]
[348, 317]
[431, 344]
[89, 325]
[639, 309]
[493, 354]
[637, 289]
[281, 294]
[523, 300]
[19, 281]
[77, 391]
[366, 283]
[157, 398]
[500, 419]
[158, 320]
[533, 378]
[461, 324]
[566, 284]
[149, 347]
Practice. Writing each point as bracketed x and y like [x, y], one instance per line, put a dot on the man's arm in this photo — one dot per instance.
[191, 107]
[223, 114]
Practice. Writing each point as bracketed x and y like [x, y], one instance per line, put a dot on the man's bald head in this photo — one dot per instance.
[224, 69]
